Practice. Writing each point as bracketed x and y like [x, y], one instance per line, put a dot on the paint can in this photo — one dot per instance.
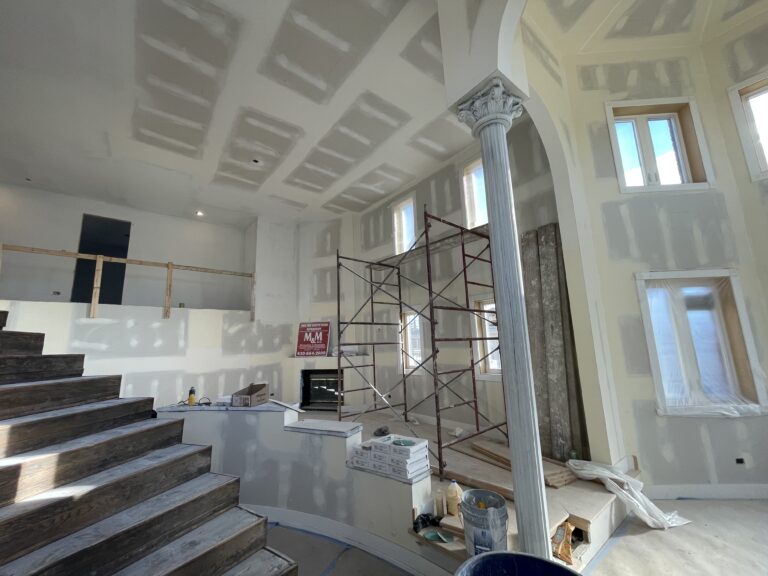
[485, 521]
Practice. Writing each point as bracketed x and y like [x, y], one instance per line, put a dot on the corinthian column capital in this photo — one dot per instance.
[493, 104]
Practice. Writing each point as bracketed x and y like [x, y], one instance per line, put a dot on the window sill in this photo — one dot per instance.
[692, 187]
[759, 176]
[714, 411]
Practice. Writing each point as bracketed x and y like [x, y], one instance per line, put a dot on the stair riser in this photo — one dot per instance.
[21, 343]
[132, 544]
[225, 556]
[3, 318]
[19, 536]
[15, 369]
[20, 401]
[34, 435]
[58, 469]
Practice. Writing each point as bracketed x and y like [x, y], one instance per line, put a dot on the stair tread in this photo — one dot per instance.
[265, 562]
[25, 458]
[185, 549]
[18, 333]
[78, 489]
[93, 406]
[65, 380]
[149, 510]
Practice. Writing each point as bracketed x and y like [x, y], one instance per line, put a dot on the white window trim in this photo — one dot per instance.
[394, 209]
[404, 358]
[749, 341]
[698, 128]
[746, 128]
[478, 348]
[469, 200]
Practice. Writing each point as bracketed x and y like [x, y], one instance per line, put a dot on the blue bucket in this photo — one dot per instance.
[511, 564]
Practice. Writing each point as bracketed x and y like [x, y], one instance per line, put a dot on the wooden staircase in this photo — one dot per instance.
[91, 484]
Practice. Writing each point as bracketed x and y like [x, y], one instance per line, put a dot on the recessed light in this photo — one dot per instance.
[256, 160]
[28, 179]
[200, 213]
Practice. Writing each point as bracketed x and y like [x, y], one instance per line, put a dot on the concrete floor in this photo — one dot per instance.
[724, 537]
[322, 556]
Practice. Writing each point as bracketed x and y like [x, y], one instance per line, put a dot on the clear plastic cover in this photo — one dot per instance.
[702, 359]
[629, 490]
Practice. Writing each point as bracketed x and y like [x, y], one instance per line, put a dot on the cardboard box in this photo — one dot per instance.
[253, 395]
[362, 451]
[389, 445]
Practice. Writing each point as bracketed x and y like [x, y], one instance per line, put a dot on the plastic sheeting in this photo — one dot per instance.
[629, 490]
[701, 355]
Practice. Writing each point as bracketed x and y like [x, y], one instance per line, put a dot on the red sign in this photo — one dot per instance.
[313, 339]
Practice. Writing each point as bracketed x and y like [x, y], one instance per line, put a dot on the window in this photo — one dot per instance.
[405, 225]
[656, 145]
[489, 359]
[749, 101]
[411, 334]
[474, 194]
[700, 345]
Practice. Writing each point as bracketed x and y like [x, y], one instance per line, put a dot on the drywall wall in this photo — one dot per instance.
[49, 220]
[216, 351]
[722, 226]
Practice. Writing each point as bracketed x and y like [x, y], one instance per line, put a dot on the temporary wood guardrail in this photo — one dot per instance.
[100, 260]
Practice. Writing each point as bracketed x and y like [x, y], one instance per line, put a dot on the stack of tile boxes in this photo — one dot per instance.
[389, 457]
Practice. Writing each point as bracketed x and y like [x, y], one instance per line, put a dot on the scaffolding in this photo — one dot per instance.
[389, 291]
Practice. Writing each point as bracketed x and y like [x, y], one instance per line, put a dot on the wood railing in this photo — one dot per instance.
[100, 260]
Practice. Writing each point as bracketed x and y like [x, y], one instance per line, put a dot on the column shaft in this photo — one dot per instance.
[522, 424]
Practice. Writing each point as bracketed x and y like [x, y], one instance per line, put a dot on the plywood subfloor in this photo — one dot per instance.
[724, 537]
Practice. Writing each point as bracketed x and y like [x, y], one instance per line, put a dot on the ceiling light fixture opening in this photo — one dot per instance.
[199, 213]
[256, 160]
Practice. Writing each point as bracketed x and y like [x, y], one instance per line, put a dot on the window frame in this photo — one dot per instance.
[399, 242]
[645, 146]
[745, 124]
[663, 409]
[470, 199]
[408, 362]
[482, 372]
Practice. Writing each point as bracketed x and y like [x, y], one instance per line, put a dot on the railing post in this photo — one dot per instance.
[253, 297]
[96, 287]
[168, 289]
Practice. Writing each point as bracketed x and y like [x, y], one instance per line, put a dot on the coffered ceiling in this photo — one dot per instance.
[302, 108]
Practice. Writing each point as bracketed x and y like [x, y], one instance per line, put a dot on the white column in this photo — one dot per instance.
[490, 113]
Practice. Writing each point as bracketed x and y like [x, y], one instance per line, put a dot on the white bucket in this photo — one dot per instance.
[485, 521]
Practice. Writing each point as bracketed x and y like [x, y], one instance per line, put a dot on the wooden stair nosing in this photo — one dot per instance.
[211, 549]
[265, 562]
[21, 343]
[119, 540]
[30, 473]
[24, 398]
[35, 431]
[32, 523]
[26, 368]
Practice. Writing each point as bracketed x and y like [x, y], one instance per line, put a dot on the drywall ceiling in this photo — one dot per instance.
[302, 108]
[613, 26]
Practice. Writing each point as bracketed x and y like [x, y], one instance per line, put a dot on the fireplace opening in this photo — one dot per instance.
[319, 389]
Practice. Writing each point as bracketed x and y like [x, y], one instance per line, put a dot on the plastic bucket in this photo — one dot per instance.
[485, 521]
[511, 564]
